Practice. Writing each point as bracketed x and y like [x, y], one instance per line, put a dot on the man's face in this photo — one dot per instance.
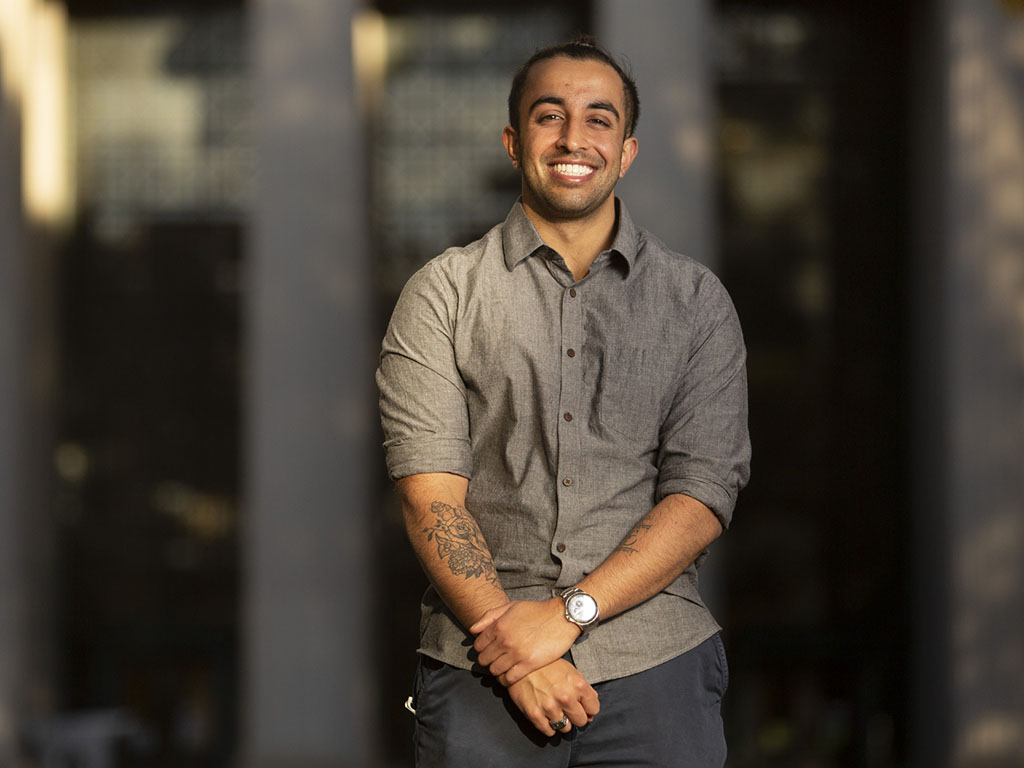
[571, 141]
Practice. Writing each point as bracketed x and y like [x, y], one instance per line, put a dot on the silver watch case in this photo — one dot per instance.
[580, 608]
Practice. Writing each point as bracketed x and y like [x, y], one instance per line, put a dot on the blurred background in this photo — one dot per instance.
[207, 210]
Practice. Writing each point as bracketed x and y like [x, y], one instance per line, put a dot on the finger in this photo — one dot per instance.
[555, 717]
[486, 655]
[546, 729]
[577, 714]
[517, 672]
[541, 723]
[483, 640]
[514, 674]
[501, 666]
[487, 619]
[491, 653]
[590, 702]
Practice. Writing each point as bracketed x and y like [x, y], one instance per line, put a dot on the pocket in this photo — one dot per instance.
[426, 669]
[723, 662]
[630, 389]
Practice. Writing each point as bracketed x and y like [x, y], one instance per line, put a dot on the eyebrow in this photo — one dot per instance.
[559, 101]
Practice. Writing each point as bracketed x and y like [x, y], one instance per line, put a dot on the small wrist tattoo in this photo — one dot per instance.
[629, 543]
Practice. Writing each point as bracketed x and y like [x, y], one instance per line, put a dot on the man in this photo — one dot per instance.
[564, 407]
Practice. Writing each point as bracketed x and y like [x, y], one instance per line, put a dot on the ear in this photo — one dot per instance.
[509, 139]
[629, 149]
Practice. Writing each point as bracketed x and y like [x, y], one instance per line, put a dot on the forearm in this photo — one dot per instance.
[515, 639]
[449, 544]
[658, 548]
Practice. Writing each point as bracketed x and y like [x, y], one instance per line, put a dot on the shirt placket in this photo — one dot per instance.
[568, 481]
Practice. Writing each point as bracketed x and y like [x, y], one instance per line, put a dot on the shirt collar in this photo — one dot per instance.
[520, 239]
[626, 242]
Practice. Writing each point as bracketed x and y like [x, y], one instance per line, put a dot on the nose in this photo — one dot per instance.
[572, 137]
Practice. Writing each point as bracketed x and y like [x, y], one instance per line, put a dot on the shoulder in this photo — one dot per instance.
[436, 292]
[683, 275]
[458, 264]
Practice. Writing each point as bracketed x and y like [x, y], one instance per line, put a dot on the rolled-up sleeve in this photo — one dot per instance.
[705, 446]
[422, 396]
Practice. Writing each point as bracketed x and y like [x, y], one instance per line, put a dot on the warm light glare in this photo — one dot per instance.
[46, 186]
[369, 53]
[15, 16]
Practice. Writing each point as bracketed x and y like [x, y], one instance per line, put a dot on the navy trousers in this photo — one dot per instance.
[666, 717]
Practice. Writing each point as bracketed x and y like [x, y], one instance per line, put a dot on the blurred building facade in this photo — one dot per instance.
[206, 213]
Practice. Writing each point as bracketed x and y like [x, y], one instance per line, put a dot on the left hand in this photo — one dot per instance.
[550, 692]
[515, 639]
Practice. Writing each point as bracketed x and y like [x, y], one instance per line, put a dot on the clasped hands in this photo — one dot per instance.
[522, 644]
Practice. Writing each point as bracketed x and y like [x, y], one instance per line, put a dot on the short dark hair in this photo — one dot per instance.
[580, 48]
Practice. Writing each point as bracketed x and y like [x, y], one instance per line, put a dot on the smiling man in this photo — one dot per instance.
[564, 408]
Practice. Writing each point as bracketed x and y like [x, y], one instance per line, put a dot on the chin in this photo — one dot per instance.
[575, 208]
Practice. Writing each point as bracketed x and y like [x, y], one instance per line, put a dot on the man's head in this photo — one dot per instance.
[571, 131]
[581, 48]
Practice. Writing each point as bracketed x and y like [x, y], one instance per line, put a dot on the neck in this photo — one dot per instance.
[577, 241]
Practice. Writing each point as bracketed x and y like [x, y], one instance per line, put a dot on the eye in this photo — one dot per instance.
[548, 117]
[600, 121]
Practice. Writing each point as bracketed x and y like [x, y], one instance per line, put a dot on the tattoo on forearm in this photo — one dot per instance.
[460, 541]
[629, 543]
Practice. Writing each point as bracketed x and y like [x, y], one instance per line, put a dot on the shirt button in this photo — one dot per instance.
[566, 481]
[572, 292]
[560, 547]
[568, 416]
[571, 352]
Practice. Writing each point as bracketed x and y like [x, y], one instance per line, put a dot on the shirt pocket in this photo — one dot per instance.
[631, 387]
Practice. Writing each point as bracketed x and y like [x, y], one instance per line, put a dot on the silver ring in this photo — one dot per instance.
[557, 726]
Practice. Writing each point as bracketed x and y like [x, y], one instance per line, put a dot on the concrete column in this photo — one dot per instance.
[12, 593]
[308, 698]
[669, 189]
[26, 412]
[969, 425]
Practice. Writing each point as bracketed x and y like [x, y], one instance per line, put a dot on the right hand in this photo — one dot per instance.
[519, 637]
[546, 694]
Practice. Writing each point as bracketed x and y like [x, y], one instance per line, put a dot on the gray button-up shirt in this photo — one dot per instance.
[572, 407]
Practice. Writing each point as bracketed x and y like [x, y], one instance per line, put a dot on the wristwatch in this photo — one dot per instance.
[580, 608]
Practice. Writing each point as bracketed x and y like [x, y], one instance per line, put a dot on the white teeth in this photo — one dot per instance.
[572, 169]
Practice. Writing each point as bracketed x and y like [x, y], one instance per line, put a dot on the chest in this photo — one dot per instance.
[613, 350]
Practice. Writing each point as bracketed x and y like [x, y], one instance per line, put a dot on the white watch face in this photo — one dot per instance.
[582, 608]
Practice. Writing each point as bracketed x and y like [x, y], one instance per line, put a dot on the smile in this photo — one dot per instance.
[574, 170]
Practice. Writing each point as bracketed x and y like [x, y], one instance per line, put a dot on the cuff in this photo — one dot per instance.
[442, 454]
